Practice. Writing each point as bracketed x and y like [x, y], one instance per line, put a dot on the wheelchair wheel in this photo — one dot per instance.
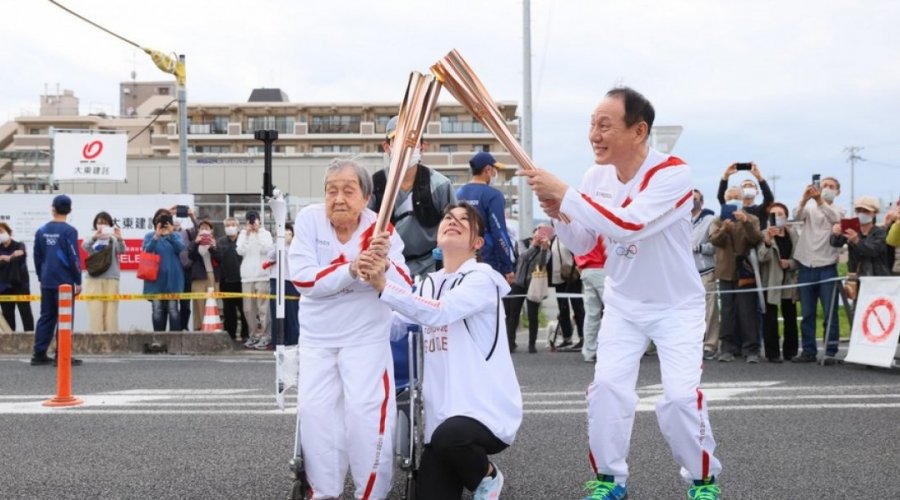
[410, 488]
[299, 490]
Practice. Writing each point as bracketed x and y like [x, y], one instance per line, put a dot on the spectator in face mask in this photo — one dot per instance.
[291, 307]
[104, 314]
[734, 237]
[867, 250]
[818, 262]
[705, 260]
[253, 244]
[14, 279]
[749, 191]
[204, 257]
[230, 281]
[777, 267]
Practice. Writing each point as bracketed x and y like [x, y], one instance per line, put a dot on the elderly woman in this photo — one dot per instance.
[777, 267]
[345, 402]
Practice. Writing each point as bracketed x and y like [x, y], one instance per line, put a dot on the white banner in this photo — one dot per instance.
[89, 157]
[876, 325]
[133, 213]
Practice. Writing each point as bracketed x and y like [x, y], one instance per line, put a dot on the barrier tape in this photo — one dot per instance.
[150, 296]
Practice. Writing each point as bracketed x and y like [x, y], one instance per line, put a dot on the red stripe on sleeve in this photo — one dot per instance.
[685, 198]
[403, 274]
[336, 263]
[630, 226]
[672, 161]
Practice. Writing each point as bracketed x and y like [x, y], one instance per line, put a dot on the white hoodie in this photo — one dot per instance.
[254, 247]
[468, 369]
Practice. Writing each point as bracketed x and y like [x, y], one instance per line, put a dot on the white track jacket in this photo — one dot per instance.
[468, 369]
[337, 310]
[645, 224]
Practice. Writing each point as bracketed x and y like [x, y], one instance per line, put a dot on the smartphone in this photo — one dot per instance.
[851, 223]
[181, 211]
[771, 220]
[728, 212]
[816, 182]
[165, 220]
[743, 166]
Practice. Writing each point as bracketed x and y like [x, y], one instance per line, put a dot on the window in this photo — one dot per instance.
[381, 122]
[335, 148]
[258, 150]
[162, 90]
[484, 147]
[335, 124]
[217, 149]
[37, 131]
[448, 148]
[452, 125]
[283, 124]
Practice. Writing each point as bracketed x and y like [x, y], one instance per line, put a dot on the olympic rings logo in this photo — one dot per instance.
[628, 252]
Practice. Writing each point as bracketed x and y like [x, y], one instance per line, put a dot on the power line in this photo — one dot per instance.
[158, 114]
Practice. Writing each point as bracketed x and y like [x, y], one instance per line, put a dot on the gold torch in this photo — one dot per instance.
[421, 96]
[455, 73]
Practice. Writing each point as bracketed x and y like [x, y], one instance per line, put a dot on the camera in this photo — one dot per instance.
[165, 220]
[743, 166]
[181, 211]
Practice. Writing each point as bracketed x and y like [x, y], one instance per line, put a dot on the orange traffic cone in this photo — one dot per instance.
[211, 320]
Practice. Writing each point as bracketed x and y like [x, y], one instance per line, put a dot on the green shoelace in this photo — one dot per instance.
[704, 492]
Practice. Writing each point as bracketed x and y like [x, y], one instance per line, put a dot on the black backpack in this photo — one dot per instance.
[423, 204]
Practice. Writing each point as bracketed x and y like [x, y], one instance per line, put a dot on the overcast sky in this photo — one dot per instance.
[787, 84]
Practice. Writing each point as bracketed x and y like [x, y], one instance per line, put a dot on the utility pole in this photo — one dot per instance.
[852, 158]
[774, 178]
[526, 210]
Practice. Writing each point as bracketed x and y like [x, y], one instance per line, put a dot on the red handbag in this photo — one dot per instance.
[148, 266]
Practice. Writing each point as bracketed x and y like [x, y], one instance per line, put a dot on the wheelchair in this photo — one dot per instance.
[408, 354]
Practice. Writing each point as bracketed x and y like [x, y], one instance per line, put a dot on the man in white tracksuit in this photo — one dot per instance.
[345, 393]
[642, 211]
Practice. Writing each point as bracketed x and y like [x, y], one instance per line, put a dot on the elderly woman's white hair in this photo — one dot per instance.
[363, 175]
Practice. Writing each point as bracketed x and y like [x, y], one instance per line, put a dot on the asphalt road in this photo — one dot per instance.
[206, 427]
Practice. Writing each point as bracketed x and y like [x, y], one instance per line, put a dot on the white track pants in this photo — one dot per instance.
[682, 411]
[346, 407]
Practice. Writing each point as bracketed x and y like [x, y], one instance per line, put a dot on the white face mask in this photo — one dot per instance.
[206, 232]
[288, 237]
[4, 237]
[865, 218]
[414, 159]
[749, 192]
[829, 194]
[734, 202]
[231, 230]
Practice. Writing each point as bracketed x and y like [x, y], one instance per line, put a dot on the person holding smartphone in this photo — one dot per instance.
[867, 251]
[818, 264]
[749, 191]
[166, 243]
[253, 245]
[107, 237]
[777, 268]
[204, 274]
[536, 255]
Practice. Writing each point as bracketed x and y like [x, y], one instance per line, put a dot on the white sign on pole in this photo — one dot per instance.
[89, 157]
[876, 326]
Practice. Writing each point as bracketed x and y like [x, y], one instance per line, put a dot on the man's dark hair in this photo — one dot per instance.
[637, 107]
[697, 191]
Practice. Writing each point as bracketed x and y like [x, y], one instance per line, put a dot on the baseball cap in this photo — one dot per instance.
[869, 203]
[391, 127]
[62, 204]
[483, 159]
[252, 215]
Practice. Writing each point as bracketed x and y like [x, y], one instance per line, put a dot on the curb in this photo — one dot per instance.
[131, 343]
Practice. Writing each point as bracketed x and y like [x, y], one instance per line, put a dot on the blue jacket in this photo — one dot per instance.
[171, 274]
[56, 259]
[497, 250]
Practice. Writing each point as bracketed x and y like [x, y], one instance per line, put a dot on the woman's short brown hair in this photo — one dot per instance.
[4, 226]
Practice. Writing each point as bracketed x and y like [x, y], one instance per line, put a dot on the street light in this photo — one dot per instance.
[169, 64]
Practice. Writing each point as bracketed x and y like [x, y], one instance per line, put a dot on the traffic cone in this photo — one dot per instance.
[211, 320]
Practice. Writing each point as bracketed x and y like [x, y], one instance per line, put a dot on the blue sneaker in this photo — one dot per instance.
[605, 488]
[489, 487]
[706, 489]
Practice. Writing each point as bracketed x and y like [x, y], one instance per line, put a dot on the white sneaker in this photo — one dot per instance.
[489, 487]
[249, 344]
[263, 344]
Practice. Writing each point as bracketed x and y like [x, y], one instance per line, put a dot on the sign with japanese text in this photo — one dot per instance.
[89, 157]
